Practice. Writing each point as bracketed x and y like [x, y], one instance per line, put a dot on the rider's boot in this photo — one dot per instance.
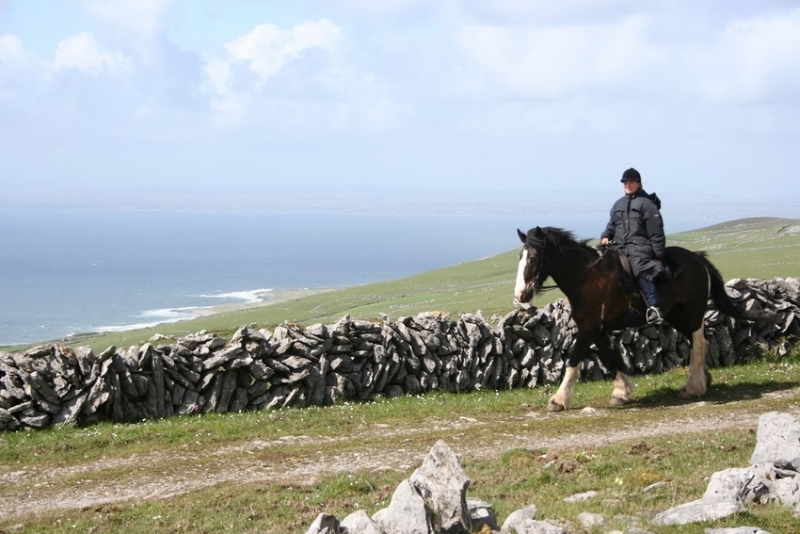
[653, 315]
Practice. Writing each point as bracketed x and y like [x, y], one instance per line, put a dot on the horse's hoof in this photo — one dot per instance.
[685, 395]
[554, 406]
[618, 401]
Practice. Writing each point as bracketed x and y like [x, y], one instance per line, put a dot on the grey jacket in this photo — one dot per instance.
[637, 229]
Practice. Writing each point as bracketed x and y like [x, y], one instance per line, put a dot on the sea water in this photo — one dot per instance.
[64, 272]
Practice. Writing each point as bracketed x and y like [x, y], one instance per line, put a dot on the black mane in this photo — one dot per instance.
[556, 239]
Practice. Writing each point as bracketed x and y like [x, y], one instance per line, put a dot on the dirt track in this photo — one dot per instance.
[77, 486]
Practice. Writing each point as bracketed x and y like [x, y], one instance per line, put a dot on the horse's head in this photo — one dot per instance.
[531, 272]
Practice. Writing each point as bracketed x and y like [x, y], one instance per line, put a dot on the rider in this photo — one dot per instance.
[637, 229]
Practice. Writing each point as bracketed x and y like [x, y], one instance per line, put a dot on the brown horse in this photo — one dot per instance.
[591, 281]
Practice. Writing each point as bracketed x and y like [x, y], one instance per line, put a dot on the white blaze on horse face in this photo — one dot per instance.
[520, 287]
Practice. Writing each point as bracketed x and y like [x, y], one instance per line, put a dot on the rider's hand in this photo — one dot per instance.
[604, 241]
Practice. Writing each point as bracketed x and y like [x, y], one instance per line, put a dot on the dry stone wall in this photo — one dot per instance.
[294, 366]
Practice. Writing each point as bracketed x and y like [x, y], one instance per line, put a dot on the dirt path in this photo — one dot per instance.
[84, 486]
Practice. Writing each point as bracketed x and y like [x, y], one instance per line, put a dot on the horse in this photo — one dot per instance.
[594, 286]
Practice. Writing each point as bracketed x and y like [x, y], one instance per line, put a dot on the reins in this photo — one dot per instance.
[601, 255]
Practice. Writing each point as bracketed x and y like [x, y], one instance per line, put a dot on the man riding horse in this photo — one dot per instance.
[599, 298]
[636, 229]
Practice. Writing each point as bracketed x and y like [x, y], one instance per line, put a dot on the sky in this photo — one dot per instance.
[403, 106]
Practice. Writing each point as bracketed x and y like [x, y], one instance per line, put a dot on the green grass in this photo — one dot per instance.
[514, 452]
[751, 248]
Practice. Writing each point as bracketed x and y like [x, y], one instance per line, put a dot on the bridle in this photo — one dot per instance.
[542, 267]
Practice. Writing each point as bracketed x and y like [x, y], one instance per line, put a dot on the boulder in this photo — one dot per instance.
[699, 510]
[324, 524]
[778, 441]
[443, 484]
[515, 519]
[407, 513]
[360, 523]
[729, 485]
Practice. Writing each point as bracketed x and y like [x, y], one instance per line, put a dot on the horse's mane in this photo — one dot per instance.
[557, 239]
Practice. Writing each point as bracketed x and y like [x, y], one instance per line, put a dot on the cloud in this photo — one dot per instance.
[12, 51]
[21, 71]
[751, 60]
[517, 11]
[142, 16]
[83, 53]
[385, 6]
[262, 54]
[547, 62]
[268, 48]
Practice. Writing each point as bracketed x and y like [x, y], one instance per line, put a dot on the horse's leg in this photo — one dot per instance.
[563, 397]
[614, 363]
[561, 400]
[698, 374]
[621, 393]
[622, 390]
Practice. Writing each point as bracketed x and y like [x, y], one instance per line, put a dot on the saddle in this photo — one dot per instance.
[626, 280]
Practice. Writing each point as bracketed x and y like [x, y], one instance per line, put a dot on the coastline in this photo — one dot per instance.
[261, 298]
[255, 299]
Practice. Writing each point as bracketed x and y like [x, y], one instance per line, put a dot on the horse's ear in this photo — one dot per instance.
[522, 237]
[538, 232]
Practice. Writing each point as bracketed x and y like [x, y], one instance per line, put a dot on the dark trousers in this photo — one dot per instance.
[649, 291]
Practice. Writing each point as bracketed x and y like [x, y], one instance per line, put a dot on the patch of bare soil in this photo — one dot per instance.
[88, 485]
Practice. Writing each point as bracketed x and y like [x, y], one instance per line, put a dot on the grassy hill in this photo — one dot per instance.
[276, 470]
[747, 248]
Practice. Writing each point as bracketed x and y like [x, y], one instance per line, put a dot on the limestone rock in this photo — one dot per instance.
[407, 512]
[697, 511]
[443, 484]
[778, 441]
[736, 530]
[581, 497]
[728, 485]
[531, 526]
[482, 515]
[516, 518]
[360, 523]
[590, 520]
[324, 524]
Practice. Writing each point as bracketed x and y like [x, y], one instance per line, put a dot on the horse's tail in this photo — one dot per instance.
[725, 303]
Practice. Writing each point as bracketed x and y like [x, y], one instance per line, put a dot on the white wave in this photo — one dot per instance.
[159, 317]
[254, 295]
[156, 317]
[177, 314]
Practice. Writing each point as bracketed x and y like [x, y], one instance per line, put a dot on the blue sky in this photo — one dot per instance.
[452, 106]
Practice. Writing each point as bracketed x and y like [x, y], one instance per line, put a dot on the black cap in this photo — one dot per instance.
[631, 175]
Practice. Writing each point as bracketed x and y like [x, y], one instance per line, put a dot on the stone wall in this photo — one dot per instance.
[321, 364]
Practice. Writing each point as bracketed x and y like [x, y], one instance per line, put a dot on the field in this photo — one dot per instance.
[751, 248]
[276, 471]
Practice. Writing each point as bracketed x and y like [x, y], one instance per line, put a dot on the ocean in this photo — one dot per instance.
[64, 272]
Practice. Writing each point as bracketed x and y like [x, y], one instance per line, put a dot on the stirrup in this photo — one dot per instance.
[653, 315]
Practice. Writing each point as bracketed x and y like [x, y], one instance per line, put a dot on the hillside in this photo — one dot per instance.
[747, 248]
[276, 470]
